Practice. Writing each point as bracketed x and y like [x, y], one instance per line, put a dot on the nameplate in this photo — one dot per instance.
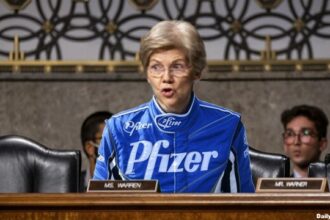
[291, 185]
[123, 186]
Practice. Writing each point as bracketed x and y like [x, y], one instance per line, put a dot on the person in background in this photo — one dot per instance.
[91, 134]
[187, 144]
[304, 136]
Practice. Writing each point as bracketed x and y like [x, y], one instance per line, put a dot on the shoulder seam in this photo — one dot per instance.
[220, 109]
[129, 111]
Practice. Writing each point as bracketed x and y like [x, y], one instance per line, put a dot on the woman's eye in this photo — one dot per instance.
[178, 66]
[156, 67]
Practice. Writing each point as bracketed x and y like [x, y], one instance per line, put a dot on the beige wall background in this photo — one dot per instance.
[52, 111]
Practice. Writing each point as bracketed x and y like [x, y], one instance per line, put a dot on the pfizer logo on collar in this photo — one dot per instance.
[168, 122]
[130, 126]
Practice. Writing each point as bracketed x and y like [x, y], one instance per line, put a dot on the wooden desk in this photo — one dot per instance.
[97, 206]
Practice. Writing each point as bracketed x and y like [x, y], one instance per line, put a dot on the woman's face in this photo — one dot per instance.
[171, 79]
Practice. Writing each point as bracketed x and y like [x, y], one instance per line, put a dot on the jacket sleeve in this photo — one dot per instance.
[241, 148]
[105, 151]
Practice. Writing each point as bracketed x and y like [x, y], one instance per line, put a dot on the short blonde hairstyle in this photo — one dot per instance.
[175, 34]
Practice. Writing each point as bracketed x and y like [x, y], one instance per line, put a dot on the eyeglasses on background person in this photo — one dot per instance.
[305, 135]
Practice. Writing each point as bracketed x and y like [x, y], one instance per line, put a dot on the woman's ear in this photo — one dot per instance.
[198, 74]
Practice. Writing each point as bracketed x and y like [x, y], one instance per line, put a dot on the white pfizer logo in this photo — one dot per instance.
[128, 127]
[131, 126]
[168, 122]
[151, 154]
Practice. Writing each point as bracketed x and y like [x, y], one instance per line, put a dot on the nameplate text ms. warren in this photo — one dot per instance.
[123, 186]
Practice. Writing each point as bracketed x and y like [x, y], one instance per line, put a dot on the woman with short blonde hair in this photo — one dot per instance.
[184, 143]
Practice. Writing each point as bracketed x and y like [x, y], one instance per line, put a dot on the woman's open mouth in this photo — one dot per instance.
[167, 92]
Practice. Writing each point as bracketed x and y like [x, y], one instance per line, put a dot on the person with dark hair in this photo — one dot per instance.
[91, 134]
[187, 144]
[304, 136]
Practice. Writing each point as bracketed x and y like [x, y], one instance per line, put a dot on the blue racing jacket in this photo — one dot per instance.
[203, 150]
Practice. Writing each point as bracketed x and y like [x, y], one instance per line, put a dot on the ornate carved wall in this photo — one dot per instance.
[111, 29]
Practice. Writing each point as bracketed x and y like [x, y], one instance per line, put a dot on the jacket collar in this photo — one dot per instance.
[171, 122]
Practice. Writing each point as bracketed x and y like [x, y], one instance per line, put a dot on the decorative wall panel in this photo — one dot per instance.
[111, 29]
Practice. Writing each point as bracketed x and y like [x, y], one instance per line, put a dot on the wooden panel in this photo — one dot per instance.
[164, 206]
